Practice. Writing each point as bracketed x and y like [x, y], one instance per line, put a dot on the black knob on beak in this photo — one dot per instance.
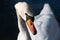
[29, 17]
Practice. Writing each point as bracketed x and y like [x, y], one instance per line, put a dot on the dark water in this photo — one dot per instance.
[8, 20]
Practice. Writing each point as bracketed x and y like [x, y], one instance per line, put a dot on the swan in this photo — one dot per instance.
[44, 26]
[21, 10]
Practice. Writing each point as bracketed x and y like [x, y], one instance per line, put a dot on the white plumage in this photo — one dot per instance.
[45, 23]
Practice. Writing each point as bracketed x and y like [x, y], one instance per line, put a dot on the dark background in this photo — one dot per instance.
[8, 19]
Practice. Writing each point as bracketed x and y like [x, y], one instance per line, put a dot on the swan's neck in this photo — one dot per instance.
[23, 29]
[21, 24]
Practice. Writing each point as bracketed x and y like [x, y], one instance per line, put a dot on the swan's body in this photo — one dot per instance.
[45, 23]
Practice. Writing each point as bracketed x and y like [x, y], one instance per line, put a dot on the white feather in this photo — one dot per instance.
[45, 23]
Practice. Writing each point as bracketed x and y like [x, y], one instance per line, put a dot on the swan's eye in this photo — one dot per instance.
[29, 17]
[26, 14]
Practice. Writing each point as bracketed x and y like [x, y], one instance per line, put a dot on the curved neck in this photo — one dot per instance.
[23, 28]
[21, 24]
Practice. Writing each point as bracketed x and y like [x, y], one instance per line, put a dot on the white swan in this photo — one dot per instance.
[21, 9]
[45, 23]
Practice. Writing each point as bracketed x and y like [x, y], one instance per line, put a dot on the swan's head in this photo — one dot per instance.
[22, 8]
[26, 14]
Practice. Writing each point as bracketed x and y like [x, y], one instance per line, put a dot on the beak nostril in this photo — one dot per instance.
[30, 23]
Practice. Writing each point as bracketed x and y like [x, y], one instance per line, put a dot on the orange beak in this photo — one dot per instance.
[31, 26]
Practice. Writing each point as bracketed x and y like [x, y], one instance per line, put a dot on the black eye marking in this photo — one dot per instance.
[26, 14]
[29, 17]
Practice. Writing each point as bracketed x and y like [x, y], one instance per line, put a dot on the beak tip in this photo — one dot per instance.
[34, 33]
